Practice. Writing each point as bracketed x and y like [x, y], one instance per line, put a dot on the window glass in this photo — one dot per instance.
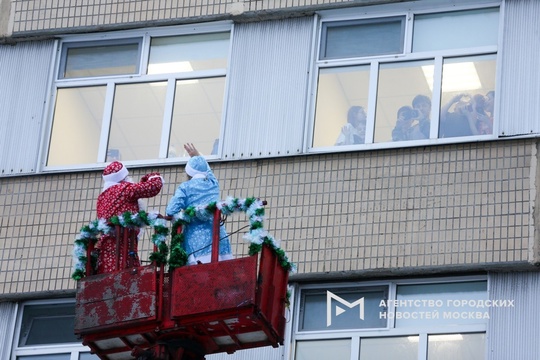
[188, 53]
[360, 38]
[456, 346]
[349, 308]
[45, 357]
[403, 102]
[340, 115]
[467, 98]
[449, 296]
[197, 115]
[456, 30]
[38, 320]
[323, 350]
[401, 326]
[463, 57]
[388, 325]
[77, 122]
[88, 356]
[389, 348]
[137, 120]
[118, 58]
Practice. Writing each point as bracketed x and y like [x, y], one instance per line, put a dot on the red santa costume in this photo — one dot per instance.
[120, 195]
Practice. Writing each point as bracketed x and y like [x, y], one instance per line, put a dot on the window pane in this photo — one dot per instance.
[448, 295]
[389, 348]
[45, 357]
[456, 346]
[456, 30]
[323, 350]
[363, 38]
[78, 116]
[346, 308]
[88, 356]
[403, 102]
[467, 96]
[188, 53]
[38, 320]
[197, 115]
[112, 59]
[137, 121]
[341, 91]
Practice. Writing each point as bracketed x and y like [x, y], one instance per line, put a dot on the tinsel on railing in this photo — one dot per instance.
[91, 233]
[257, 235]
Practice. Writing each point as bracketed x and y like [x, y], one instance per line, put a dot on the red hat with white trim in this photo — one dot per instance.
[115, 172]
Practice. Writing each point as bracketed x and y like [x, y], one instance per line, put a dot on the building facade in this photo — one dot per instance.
[395, 142]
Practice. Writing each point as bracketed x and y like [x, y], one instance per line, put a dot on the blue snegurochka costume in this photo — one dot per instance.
[201, 189]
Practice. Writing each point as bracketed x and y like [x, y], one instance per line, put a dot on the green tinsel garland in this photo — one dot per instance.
[255, 210]
[177, 255]
[90, 233]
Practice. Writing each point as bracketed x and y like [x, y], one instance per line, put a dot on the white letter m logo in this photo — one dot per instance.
[339, 310]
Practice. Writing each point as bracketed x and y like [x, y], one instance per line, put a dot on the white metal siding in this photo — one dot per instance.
[519, 83]
[24, 72]
[7, 324]
[513, 331]
[268, 88]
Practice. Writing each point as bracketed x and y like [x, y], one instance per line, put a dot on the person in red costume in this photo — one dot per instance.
[121, 194]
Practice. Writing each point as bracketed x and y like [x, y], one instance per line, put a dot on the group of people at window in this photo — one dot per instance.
[466, 115]
[463, 115]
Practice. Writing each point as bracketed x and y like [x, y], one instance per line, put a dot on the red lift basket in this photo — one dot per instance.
[190, 312]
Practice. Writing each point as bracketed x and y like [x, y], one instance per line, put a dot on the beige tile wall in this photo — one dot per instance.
[449, 207]
[54, 15]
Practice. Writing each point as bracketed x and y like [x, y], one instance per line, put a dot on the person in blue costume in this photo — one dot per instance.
[201, 188]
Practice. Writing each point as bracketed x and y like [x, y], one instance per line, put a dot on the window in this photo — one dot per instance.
[393, 347]
[323, 349]
[34, 339]
[406, 79]
[138, 98]
[369, 37]
[318, 302]
[37, 320]
[421, 319]
[100, 59]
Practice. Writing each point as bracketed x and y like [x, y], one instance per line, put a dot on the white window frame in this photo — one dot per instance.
[395, 10]
[74, 349]
[390, 331]
[110, 83]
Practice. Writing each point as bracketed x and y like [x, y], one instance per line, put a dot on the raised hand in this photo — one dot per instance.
[191, 150]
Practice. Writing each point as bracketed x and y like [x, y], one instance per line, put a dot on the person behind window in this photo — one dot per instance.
[483, 121]
[120, 194]
[354, 132]
[490, 104]
[468, 117]
[422, 103]
[201, 188]
[407, 125]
